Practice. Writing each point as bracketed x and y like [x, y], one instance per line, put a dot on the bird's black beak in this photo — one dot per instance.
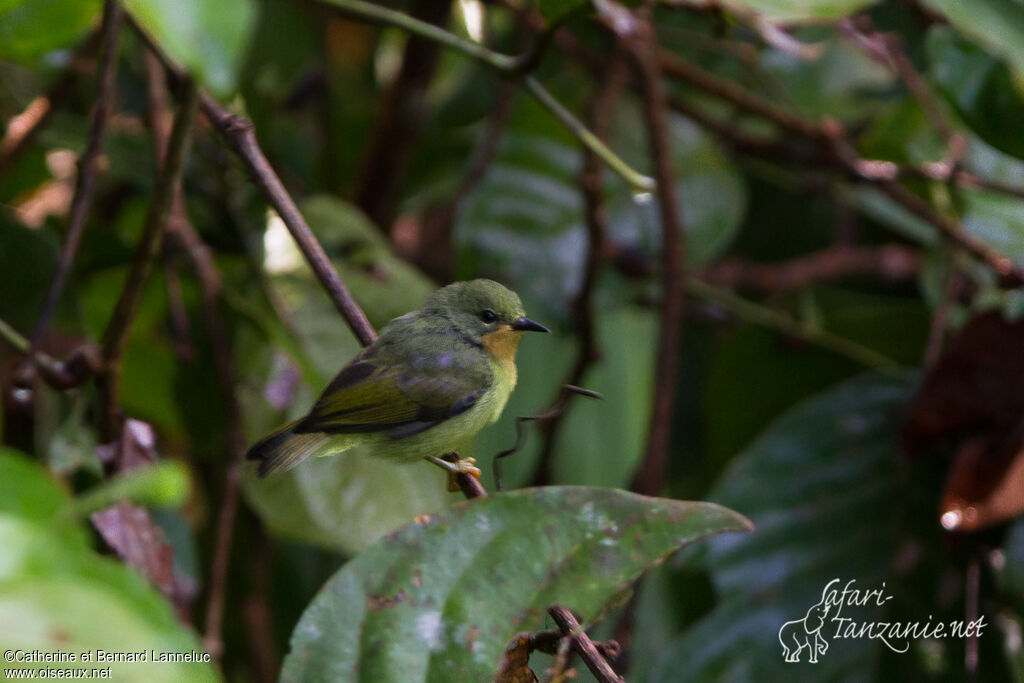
[527, 325]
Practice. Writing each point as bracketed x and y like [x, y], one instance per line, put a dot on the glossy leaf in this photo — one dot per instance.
[772, 10]
[56, 594]
[411, 608]
[980, 86]
[603, 441]
[797, 10]
[209, 39]
[819, 486]
[996, 24]
[25, 488]
[346, 502]
[31, 28]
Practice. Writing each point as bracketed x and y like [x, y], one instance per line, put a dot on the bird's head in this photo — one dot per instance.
[485, 312]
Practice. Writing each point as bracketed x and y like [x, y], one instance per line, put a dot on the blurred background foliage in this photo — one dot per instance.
[818, 306]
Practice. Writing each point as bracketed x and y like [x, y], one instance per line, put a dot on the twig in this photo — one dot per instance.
[504, 64]
[85, 181]
[679, 69]
[547, 641]
[22, 129]
[601, 109]
[239, 133]
[259, 620]
[584, 646]
[940, 319]
[209, 278]
[116, 335]
[73, 372]
[641, 41]
[181, 328]
[890, 262]
[552, 413]
[887, 50]
[760, 315]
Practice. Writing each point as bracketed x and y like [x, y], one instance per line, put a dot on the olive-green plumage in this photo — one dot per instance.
[432, 380]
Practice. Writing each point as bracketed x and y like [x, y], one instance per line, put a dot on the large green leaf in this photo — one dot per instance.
[996, 24]
[798, 10]
[827, 495]
[31, 28]
[602, 442]
[440, 600]
[346, 502]
[207, 38]
[772, 10]
[711, 193]
[56, 594]
[980, 86]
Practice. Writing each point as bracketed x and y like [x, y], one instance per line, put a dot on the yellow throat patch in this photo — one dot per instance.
[502, 344]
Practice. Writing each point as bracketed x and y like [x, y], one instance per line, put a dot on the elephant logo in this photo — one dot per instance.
[798, 634]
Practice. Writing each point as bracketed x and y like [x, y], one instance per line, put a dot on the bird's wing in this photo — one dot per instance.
[378, 392]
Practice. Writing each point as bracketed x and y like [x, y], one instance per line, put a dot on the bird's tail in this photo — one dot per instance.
[284, 449]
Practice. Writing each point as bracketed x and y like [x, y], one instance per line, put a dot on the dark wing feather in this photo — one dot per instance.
[382, 390]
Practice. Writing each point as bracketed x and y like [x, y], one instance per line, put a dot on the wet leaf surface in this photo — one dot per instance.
[410, 608]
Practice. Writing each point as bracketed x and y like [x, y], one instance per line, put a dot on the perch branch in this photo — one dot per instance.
[116, 335]
[85, 181]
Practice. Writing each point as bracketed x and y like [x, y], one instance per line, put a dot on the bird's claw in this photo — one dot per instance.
[455, 468]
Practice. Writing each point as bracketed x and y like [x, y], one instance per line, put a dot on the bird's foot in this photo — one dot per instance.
[455, 468]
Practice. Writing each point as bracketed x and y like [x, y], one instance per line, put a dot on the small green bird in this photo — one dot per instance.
[432, 380]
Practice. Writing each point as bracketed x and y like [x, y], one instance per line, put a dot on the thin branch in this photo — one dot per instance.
[940, 318]
[69, 374]
[116, 335]
[892, 262]
[756, 314]
[85, 182]
[181, 328]
[638, 181]
[239, 133]
[601, 109]
[383, 15]
[677, 68]
[887, 50]
[181, 230]
[641, 41]
[504, 64]
[584, 646]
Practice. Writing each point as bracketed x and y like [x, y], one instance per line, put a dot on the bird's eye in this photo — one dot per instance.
[488, 316]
